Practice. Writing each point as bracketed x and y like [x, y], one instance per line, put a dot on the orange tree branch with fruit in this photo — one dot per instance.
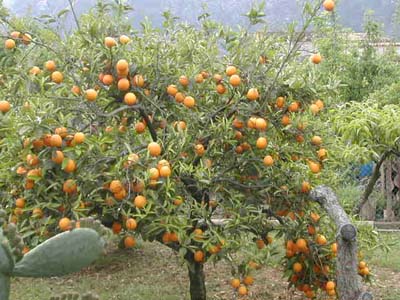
[158, 134]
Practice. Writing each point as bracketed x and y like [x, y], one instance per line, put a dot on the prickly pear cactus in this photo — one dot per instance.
[64, 253]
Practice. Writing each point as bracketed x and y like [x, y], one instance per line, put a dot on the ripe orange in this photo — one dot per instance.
[231, 70]
[79, 137]
[199, 78]
[184, 81]
[268, 161]
[110, 42]
[115, 186]
[116, 227]
[154, 149]
[70, 166]
[62, 131]
[76, 90]
[305, 187]
[297, 267]
[242, 290]
[235, 283]
[220, 89]
[32, 160]
[57, 77]
[15, 34]
[123, 39]
[122, 66]
[108, 79]
[129, 242]
[131, 224]
[253, 94]
[199, 256]
[316, 140]
[138, 80]
[314, 217]
[189, 102]
[172, 90]
[130, 99]
[286, 120]
[35, 70]
[235, 80]
[50, 65]
[9, 44]
[69, 186]
[301, 244]
[20, 202]
[179, 97]
[293, 107]
[64, 224]
[334, 248]
[140, 201]
[56, 140]
[260, 244]
[330, 285]
[329, 5]
[217, 78]
[199, 149]
[248, 280]
[154, 174]
[165, 171]
[322, 154]
[123, 84]
[4, 106]
[320, 104]
[316, 58]
[321, 240]
[140, 127]
[26, 38]
[280, 102]
[261, 124]
[261, 143]
[178, 201]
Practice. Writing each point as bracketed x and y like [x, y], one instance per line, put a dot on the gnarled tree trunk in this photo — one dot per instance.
[348, 281]
[197, 280]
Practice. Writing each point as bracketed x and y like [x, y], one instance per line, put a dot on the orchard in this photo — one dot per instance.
[207, 140]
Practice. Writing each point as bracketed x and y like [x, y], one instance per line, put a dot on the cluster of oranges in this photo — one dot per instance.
[16, 36]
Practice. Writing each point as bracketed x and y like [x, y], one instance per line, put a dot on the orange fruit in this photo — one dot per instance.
[315, 167]
[329, 5]
[20, 202]
[178, 201]
[140, 201]
[261, 124]
[235, 80]
[9, 44]
[362, 264]
[138, 81]
[301, 244]
[64, 224]
[116, 227]
[26, 38]
[189, 102]
[57, 77]
[32, 160]
[316, 140]
[305, 187]
[56, 140]
[320, 104]
[172, 90]
[70, 166]
[321, 240]
[364, 271]
[129, 242]
[199, 149]
[50, 65]
[261, 143]
[199, 256]
[122, 66]
[334, 248]
[165, 171]
[115, 186]
[179, 97]
[316, 58]
[110, 42]
[79, 137]
[131, 224]
[297, 267]
[123, 84]
[253, 94]
[235, 283]
[130, 99]
[69, 186]
[230, 70]
[154, 174]
[314, 109]
[280, 102]
[242, 290]
[248, 280]
[35, 70]
[268, 161]
[123, 39]
[140, 127]
[322, 154]
[4, 106]
[330, 285]
[15, 34]
[199, 78]
[260, 244]
[293, 107]
[217, 78]
[183, 80]
[108, 79]
[315, 217]
[62, 131]
[76, 90]
[220, 89]
[285, 120]
[154, 149]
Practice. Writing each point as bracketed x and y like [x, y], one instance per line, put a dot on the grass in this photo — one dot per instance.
[153, 272]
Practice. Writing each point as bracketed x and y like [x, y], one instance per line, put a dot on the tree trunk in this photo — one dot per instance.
[348, 281]
[388, 186]
[4, 287]
[197, 280]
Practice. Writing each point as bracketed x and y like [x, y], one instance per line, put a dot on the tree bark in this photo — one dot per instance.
[387, 187]
[371, 183]
[4, 287]
[348, 281]
[197, 280]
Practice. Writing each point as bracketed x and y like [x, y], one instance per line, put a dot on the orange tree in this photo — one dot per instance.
[193, 137]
